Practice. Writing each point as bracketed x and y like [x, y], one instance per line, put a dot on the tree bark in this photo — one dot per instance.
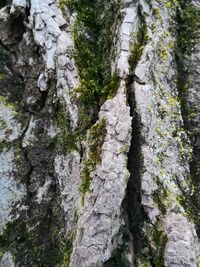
[99, 133]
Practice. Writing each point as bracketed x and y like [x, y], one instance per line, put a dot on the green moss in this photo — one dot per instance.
[93, 40]
[160, 239]
[76, 216]
[93, 36]
[189, 31]
[37, 245]
[4, 125]
[160, 195]
[136, 49]
[191, 210]
[189, 35]
[153, 252]
[95, 141]
[3, 145]
[67, 140]
[68, 252]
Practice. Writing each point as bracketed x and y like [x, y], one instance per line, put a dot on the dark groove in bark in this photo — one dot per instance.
[191, 202]
[3, 3]
[133, 206]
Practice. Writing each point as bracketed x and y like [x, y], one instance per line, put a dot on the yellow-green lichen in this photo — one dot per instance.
[1, 76]
[157, 14]
[4, 100]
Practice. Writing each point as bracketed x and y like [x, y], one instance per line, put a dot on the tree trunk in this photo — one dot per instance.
[99, 133]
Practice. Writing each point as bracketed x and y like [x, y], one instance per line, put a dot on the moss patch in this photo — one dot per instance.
[95, 141]
[93, 37]
[188, 37]
[160, 240]
[11, 82]
[189, 31]
[68, 251]
[67, 140]
[34, 246]
[137, 47]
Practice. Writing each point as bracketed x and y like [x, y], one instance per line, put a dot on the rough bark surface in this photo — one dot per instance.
[99, 133]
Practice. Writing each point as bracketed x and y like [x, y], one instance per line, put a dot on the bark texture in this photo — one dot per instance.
[99, 133]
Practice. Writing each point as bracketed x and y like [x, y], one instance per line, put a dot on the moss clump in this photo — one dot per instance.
[189, 35]
[160, 240]
[159, 195]
[4, 125]
[11, 82]
[93, 36]
[153, 250]
[3, 145]
[37, 245]
[168, 4]
[95, 141]
[140, 40]
[1, 76]
[67, 140]
[8, 238]
[157, 240]
[189, 202]
[89, 93]
[68, 252]
[117, 260]
[93, 41]
[189, 31]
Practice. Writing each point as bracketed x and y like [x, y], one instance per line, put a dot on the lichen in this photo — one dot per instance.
[157, 14]
[4, 100]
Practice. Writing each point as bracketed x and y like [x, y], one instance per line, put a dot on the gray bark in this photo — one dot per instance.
[99, 133]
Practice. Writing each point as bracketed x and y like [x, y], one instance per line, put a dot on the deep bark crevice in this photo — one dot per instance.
[132, 209]
[136, 214]
[132, 204]
[3, 3]
[186, 18]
